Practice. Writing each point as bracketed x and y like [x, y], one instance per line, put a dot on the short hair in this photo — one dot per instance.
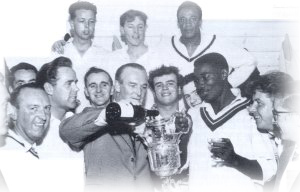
[20, 66]
[16, 93]
[189, 4]
[164, 70]
[130, 15]
[217, 60]
[274, 83]
[96, 70]
[81, 5]
[188, 78]
[48, 72]
[121, 69]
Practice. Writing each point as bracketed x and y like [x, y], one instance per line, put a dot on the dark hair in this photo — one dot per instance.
[20, 66]
[164, 70]
[48, 72]
[81, 5]
[188, 78]
[121, 69]
[217, 60]
[190, 4]
[96, 70]
[16, 93]
[130, 15]
[274, 83]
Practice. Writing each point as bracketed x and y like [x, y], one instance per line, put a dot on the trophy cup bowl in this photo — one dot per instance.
[163, 150]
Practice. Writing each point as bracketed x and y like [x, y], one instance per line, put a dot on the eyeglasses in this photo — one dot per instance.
[204, 77]
[276, 113]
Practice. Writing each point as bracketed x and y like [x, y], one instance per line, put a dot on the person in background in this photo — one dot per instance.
[192, 42]
[59, 80]
[81, 49]
[20, 74]
[286, 113]
[190, 95]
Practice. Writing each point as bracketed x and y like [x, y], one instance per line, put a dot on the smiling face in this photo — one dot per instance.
[209, 82]
[134, 31]
[166, 89]
[261, 110]
[32, 114]
[189, 22]
[133, 85]
[83, 25]
[190, 94]
[98, 89]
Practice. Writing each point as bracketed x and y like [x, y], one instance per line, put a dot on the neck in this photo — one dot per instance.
[224, 100]
[21, 133]
[193, 41]
[100, 106]
[166, 111]
[57, 112]
[82, 45]
[136, 52]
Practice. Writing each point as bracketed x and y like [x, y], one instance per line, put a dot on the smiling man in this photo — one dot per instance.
[190, 95]
[223, 129]
[31, 121]
[111, 157]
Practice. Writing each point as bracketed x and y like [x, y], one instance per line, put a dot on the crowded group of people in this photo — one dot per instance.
[242, 125]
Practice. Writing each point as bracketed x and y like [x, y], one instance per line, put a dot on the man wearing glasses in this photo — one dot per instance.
[286, 114]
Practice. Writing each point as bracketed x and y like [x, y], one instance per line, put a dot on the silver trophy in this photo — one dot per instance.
[163, 146]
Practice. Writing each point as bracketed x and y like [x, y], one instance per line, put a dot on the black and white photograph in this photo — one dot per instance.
[149, 95]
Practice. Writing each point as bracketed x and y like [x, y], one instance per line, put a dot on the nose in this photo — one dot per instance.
[98, 89]
[252, 108]
[86, 24]
[42, 114]
[75, 87]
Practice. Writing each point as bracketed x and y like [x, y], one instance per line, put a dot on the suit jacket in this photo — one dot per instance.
[109, 157]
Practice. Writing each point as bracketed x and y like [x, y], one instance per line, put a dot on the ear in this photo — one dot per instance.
[86, 93]
[48, 88]
[122, 31]
[224, 74]
[10, 89]
[71, 22]
[13, 112]
[117, 87]
[112, 90]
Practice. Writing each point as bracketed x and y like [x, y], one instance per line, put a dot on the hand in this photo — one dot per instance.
[222, 148]
[183, 122]
[58, 46]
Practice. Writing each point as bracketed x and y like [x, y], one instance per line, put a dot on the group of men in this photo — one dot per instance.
[230, 146]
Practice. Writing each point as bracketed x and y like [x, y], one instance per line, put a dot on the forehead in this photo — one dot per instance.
[98, 77]
[131, 74]
[261, 96]
[165, 78]
[188, 88]
[205, 68]
[188, 11]
[80, 13]
[65, 74]
[37, 97]
[24, 74]
[137, 20]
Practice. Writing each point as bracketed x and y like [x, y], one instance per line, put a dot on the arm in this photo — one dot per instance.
[77, 129]
[240, 60]
[224, 150]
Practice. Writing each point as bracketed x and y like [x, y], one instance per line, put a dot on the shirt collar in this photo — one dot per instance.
[26, 146]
